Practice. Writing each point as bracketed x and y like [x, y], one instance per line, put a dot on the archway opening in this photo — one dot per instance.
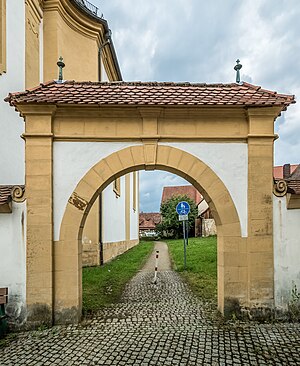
[126, 218]
[126, 161]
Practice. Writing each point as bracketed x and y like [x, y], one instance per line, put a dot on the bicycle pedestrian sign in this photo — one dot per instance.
[183, 208]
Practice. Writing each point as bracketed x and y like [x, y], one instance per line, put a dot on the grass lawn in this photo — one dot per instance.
[201, 273]
[103, 285]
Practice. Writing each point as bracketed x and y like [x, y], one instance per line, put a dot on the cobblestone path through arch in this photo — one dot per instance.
[156, 324]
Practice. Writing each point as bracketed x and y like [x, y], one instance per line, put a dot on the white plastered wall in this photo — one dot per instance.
[13, 265]
[286, 251]
[71, 161]
[12, 154]
[134, 214]
[113, 214]
[12, 164]
[230, 163]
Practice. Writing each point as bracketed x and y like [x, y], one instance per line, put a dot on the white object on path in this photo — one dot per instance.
[156, 265]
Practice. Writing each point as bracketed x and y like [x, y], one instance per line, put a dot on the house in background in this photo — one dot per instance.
[284, 171]
[287, 177]
[205, 223]
[33, 35]
[286, 209]
[148, 222]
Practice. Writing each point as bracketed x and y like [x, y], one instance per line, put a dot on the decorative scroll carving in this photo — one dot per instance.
[18, 194]
[280, 188]
[79, 202]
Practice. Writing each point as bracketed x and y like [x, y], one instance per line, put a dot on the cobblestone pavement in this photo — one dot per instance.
[162, 324]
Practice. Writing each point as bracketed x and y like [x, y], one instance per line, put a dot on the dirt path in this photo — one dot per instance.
[164, 262]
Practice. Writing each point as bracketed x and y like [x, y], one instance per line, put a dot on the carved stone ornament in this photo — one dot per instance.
[280, 188]
[18, 194]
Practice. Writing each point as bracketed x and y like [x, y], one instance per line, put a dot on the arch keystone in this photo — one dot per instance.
[150, 153]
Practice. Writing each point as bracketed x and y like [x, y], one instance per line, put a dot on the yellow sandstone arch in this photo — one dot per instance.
[67, 251]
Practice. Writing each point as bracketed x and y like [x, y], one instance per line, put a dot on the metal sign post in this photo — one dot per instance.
[184, 244]
[183, 209]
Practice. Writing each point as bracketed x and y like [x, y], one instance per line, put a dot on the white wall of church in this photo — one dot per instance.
[113, 214]
[134, 212]
[230, 163]
[286, 231]
[11, 145]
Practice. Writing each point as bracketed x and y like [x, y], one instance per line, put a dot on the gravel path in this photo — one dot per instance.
[164, 262]
[156, 324]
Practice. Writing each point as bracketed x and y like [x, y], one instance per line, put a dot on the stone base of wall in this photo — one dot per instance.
[90, 254]
[112, 250]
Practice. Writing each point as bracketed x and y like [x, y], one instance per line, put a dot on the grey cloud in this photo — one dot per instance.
[151, 186]
[199, 41]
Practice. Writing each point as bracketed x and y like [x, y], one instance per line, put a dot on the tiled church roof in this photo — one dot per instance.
[151, 93]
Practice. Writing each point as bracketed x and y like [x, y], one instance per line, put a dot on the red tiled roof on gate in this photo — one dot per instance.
[190, 191]
[151, 93]
[149, 220]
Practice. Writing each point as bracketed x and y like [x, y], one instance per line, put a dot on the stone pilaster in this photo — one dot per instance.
[38, 179]
[260, 207]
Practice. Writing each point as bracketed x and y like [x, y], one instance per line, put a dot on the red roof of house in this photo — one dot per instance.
[149, 220]
[278, 171]
[292, 180]
[151, 93]
[189, 191]
[294, 186]
[295, 174]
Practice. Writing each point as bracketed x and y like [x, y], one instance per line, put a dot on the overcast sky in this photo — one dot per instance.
[199, 41]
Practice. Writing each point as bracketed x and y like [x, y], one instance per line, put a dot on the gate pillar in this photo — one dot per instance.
[260, 207]
[38, 177]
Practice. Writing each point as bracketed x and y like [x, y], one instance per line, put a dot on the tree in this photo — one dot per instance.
[170, 226]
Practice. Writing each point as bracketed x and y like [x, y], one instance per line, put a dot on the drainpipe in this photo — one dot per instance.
[100, 230]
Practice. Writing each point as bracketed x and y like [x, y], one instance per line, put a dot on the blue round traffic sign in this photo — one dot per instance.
[183, 208]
